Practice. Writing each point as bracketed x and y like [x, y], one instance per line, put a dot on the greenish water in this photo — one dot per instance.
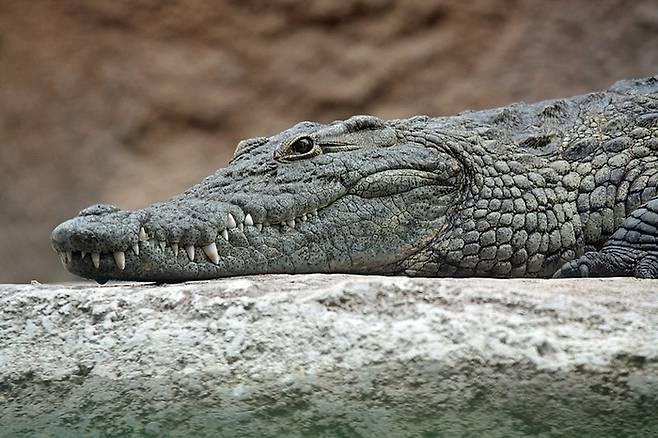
[490, 414]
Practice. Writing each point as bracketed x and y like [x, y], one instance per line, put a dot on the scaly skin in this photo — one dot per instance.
[562, 187]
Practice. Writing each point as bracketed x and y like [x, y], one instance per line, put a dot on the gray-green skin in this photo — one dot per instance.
[563, 187]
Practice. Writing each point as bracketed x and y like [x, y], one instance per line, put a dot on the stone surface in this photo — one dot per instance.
[331, 355]
[132, 101]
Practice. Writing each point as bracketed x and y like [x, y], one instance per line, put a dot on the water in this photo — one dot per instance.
[551, 405]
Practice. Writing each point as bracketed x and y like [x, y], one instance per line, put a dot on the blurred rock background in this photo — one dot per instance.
[131, 101]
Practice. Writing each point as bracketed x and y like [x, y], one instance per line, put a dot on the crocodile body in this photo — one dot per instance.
[565, 187]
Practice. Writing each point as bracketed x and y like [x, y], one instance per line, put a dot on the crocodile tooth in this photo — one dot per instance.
[83, 255]
[231, 221]
[211, 252]
[241, 226]
[120, 259]
[304, 217]
[162, 244]
[291, 223]
[314, 212]
[259, 227]
[225, 234]
[62, 257]
[136, 248]
[248, 220]
[96, 259]
[69, 256]
[174, 248]
[189, 249]
[142, 234]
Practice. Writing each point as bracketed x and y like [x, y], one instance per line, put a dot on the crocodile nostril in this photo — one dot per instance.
[91, 233]
[98, 209]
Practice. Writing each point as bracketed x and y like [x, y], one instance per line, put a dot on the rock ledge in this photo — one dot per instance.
[331, 355]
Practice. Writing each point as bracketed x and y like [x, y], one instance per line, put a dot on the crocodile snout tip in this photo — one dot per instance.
[62, 234]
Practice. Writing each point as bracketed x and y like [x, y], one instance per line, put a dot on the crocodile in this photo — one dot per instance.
[559, 188]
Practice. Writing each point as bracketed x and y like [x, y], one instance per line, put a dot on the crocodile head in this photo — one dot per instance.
[361, 195]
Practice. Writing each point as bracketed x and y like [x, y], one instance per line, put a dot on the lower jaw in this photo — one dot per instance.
[169, 264]
[154, 264]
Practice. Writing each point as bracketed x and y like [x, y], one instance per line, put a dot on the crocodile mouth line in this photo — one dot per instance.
[210, 250]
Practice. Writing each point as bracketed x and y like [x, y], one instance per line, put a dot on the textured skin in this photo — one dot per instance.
[564, 187]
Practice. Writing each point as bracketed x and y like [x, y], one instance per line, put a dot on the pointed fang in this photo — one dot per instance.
[225, 235]
[291, 223]
[120, 259]
[259, 227]
[136, 248]
[248, 221]
[163, 244]
[142, 234]
[241, 226]
[189, 249]
[211, 252]
[231, 221]
[96, 259]
[83, 255]
[174, 248]
[304, 217]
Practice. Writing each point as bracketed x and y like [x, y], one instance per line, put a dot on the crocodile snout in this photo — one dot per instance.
[97, 230]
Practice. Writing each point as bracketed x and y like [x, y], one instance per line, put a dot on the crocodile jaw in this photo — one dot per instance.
[330, 239]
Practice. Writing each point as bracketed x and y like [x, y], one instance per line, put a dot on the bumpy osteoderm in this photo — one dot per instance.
[564, 187]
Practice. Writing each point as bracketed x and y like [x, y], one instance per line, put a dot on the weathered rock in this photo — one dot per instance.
[331, 355]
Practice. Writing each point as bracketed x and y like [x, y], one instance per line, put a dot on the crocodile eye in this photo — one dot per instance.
[302, 146]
